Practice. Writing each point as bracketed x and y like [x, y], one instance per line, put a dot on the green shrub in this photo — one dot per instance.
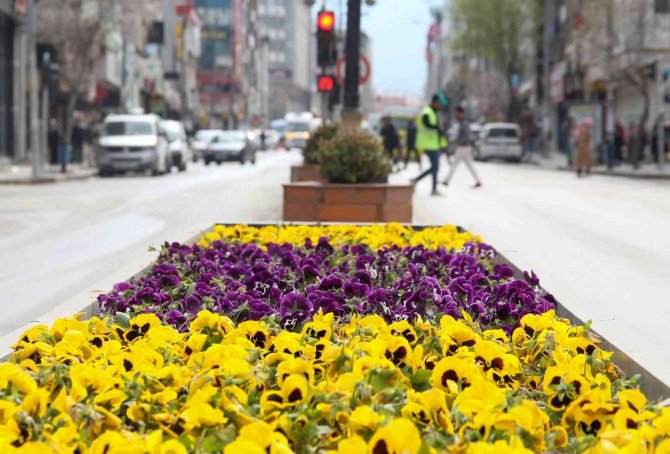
[323, 134]
[354, 158]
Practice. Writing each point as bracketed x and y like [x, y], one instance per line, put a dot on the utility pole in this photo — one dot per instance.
[609, 106]
[46, 63]
[20, 94]
[264, 81]
[549, 10]
[351, 116]
[36, 152]
[231, 80]
[660, 119]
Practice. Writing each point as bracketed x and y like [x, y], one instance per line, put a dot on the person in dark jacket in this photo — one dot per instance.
[390, 138]
[411, 144]
[55, 139]
[77, 143]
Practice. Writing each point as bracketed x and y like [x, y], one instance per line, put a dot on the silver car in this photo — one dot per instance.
[132, 143]
[230, 146]
[499, 140]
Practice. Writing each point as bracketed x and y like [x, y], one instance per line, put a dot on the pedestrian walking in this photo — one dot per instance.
[391, 139]
[411, 144]
[584, 148]
[428, 140]
[463, 153]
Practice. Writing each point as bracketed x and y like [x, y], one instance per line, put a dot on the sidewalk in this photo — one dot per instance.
[647, 171]
[22, 174]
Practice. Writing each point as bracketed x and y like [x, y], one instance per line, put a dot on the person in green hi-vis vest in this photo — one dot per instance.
[430, 139]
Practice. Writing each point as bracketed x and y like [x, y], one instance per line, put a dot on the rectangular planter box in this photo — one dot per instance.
[324, 202]
[305, 172]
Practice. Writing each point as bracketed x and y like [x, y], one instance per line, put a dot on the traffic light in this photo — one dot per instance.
[326, 84]
[325, 35]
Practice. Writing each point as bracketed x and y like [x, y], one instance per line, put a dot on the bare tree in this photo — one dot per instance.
[78, 30]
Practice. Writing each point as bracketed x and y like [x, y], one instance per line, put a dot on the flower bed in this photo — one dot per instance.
[305, 339]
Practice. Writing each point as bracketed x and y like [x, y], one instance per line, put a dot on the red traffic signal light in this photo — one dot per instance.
[326, 21]
[326, 83]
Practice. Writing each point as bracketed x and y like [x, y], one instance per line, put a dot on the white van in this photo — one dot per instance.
[132, 142]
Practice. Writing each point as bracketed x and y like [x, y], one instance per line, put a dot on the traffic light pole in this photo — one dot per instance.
[351, 117]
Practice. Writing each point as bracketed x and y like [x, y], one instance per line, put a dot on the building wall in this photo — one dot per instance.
[6, 86]
[287, 23]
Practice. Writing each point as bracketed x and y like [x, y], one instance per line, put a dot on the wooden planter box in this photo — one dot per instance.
[324, 202]
[306, 172]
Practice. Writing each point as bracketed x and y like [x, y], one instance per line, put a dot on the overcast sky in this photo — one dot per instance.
[398, 31]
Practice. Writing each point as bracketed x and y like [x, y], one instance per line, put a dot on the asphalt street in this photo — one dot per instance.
[58, 240]
[600, 244]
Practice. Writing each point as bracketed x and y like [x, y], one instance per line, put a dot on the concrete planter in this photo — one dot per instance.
[325, 202]
[306, 172]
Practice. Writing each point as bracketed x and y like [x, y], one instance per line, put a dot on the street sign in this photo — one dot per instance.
[365, 73]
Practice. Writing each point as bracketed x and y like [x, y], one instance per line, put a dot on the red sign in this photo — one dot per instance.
[326, 21]
[365, 73]
[326, 83]
[185, 10]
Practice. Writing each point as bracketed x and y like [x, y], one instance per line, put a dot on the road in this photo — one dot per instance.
[58, 240]
[600, 244]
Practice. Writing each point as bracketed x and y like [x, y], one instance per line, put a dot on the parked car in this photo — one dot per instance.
[180, 151]
[500, 140]
[230, 146]
[201, 141]
[132, 142]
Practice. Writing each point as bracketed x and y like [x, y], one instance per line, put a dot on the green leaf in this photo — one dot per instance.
[421, 380]
[122, 319]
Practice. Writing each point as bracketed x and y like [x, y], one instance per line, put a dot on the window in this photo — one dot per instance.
[508, 133]
[128, 128]
[662, 6]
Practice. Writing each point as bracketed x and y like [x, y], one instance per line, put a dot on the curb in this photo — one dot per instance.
[48, 179]
[631, 175]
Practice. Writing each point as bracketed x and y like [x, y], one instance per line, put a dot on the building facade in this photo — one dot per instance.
[12, 79]
[221, 63]
[287, 25]
[607, 60]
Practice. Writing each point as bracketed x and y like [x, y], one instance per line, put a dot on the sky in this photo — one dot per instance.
[398, 31]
